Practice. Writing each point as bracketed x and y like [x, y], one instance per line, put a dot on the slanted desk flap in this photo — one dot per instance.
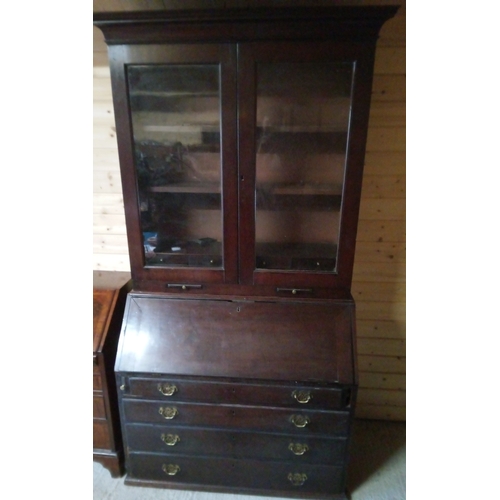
[217, 338]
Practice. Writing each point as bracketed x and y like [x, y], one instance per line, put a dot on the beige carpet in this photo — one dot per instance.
[377, 472]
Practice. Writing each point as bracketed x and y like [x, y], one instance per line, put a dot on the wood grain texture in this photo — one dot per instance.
[379, 269]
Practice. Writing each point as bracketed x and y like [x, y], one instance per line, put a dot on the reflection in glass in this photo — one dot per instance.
[176, 129]
[303, 113]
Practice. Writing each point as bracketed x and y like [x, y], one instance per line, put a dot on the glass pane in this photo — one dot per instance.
[176, 129]
[303, 112]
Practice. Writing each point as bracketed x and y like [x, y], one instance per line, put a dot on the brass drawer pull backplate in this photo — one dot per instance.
[302, 396]
[168, 412]
[170, 439]
[167, 389]
[298, 448]
[300, 420]
[171, 469]
[297, 478]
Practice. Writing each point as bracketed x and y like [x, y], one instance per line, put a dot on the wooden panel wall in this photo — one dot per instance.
[379, 274]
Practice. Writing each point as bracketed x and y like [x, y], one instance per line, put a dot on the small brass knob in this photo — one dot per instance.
[302, 396]
[171, 469]
[170, 439]
[298, 448]
[297, 478]
[300, 420]
[167, 389]
[184, 287]
[168, 412]
[294, 291]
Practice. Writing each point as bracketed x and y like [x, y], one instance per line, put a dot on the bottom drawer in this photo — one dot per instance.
[247, 474]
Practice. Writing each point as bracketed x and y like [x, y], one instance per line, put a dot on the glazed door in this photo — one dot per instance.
[177, 146]
[301, 158]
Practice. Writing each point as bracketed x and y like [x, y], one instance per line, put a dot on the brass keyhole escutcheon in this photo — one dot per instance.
[170, 439]
[300, 420]
[298, 448]
[167, 389]
[171, 469]
[297, 478]
[168, 412]
[302, 396]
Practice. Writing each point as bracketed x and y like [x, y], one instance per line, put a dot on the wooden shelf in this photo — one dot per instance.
[196, 128]
[158, 150]
[296, 256]
[309, 189]
[297, 129]
[175, 94]
[297, 143]
[189, 188]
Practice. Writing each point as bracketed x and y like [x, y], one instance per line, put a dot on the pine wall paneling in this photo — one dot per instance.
[379, 274]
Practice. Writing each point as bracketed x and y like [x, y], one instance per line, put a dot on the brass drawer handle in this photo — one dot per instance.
[170, 469]
[168, 412]
[300, 420]
[298, 448]
[167, 389]
[297, 478]
[302, 396]
[170, 439]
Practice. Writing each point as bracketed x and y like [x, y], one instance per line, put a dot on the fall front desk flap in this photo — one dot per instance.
[255, 340]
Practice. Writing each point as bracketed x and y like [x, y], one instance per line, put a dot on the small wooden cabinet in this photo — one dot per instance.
[241, 136]
[110, 290]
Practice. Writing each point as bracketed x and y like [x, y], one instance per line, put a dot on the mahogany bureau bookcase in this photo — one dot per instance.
[110, 292]
[241, 137]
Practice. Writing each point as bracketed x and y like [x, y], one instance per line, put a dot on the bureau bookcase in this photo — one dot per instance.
[241, 137]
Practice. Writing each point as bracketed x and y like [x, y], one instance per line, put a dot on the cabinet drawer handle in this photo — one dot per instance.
[170, 469]
[297, 478]
[298, 448]
[170, 439]
[167, 389]
[168, 412]
[302, 396]
[300, 420]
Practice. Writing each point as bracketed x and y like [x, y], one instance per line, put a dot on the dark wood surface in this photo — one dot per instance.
[224, 376]
[302, 35]
[110, 291]
[218, 338]
[234, 444]
[252, 418]
[204, 390]
[251, 474]
[234, 340]
[234, 25]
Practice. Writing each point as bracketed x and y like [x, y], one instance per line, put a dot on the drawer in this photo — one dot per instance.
[265, 476]
[99, 409]
[204, 442]
[297, 396]
[97, 376]
[101, 435]
[237, 417]
[97, 382]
